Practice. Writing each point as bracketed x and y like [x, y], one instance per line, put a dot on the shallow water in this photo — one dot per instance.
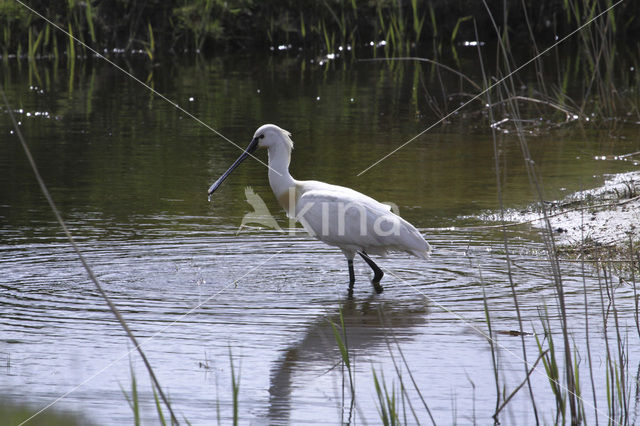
[130, 173]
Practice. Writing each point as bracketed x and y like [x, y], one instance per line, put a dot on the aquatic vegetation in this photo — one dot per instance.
[133, 400]
[596, 82]
[195, 25]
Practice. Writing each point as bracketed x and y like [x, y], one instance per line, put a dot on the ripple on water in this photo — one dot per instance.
[269, 298]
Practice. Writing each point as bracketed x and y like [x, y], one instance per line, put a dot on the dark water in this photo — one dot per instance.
[129, 173]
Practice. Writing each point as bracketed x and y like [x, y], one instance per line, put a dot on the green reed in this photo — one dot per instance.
[565, 387]
[133, 400]
[199, 25]
[340, 336]
[235, 389]
[388, 407]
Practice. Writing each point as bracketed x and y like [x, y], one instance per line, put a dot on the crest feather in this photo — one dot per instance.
[287, 138]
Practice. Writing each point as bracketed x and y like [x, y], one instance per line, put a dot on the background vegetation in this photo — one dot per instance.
[206, 25]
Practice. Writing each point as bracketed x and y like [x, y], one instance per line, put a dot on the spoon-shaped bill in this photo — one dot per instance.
[251, 148]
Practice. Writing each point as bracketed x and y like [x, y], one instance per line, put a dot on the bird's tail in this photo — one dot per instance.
[423, 254]
[415, 243]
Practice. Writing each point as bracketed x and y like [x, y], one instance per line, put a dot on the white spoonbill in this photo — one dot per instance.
[334, 214]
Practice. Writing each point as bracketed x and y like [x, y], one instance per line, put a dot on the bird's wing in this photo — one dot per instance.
[354, 222]
[342, 192]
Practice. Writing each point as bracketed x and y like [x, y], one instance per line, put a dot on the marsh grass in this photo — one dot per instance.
[404, 389]
[566, 388]
[235, 389]
[618, 380]
[562, 361]
[133, 400]
[552, 367]
[388, 407]
[565, 393]
[340, 336]
[208, 25]
[393, 398]
[590, 84]
[393, 391]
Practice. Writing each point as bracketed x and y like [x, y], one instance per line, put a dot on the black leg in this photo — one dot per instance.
[377, 272]
[352, 276]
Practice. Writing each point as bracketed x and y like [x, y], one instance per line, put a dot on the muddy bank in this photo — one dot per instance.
[601, 224]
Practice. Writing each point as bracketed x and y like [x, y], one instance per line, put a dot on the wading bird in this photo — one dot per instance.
[334, 214]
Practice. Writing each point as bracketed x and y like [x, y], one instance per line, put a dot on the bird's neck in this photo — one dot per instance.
[282, 184]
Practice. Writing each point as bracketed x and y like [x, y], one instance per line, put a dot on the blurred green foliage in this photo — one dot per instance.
[15, 414]
[205, 25]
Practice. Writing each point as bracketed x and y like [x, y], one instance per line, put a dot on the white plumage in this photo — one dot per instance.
[336, 215]
[321, 207]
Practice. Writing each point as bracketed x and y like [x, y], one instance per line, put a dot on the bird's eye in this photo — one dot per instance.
[261, 136]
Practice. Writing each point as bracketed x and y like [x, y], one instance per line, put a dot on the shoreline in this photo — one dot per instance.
[601, 224]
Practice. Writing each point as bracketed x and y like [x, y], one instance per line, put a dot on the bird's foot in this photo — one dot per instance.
[376, 286]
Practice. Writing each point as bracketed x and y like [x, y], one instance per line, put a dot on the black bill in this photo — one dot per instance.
[251, 148]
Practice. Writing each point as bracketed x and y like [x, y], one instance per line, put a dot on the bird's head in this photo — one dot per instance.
[271, 136]
[268, 136]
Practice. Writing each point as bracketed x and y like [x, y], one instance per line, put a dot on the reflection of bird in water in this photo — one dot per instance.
[260, 214]
[367, 324]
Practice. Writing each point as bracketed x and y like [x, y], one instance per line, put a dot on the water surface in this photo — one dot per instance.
[129, 173]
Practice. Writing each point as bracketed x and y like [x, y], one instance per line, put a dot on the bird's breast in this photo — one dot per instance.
[288, 200]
